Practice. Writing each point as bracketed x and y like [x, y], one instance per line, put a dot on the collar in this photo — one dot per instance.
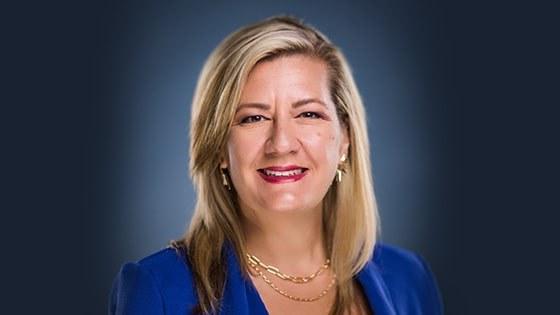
[375, 289]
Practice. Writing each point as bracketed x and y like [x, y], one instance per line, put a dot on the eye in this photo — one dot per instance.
[312, 115]
[252, 119]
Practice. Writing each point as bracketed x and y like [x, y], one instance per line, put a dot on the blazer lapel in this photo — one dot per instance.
[375, 289]
[240, 297]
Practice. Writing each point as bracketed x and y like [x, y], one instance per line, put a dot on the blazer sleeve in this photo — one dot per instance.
[432, 299]
[135, 292]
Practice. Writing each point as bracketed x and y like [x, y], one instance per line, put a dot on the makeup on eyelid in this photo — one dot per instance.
[316, 115]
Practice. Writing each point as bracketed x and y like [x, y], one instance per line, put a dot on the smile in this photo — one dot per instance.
[277, 177]
[286, 173]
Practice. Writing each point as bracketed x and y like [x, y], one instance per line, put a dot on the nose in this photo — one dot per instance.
[282, 138]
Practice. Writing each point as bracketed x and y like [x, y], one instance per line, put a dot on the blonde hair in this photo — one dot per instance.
[350, 218]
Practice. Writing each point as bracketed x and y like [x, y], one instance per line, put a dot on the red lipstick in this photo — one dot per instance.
[276, 179]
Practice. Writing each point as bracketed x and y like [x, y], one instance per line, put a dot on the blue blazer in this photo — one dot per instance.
[395, 281]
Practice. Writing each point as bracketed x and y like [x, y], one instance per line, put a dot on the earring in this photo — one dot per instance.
[339, 171]
[224, 178]
[338, 175]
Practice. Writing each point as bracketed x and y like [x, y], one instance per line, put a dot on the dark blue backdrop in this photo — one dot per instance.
[94, 124]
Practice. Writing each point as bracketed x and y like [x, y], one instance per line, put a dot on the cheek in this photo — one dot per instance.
[323, 144]
[241, 150]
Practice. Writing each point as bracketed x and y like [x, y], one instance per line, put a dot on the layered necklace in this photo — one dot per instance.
[260, 268]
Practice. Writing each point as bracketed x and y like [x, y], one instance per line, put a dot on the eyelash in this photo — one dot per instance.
[243, 121]
[314, 113]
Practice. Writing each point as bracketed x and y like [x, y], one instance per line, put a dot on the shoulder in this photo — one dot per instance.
[167, 266]
[393, 259]
[409, 279]
[158, 282]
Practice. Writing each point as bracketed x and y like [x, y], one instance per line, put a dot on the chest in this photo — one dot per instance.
[278, 304]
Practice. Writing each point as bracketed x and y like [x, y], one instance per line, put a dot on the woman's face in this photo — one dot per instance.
[286, 140]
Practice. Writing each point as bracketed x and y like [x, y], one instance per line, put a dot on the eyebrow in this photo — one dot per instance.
[296, 104]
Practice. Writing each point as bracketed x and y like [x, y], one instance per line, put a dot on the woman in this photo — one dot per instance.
[286, 219]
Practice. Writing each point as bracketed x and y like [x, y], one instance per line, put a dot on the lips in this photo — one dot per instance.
[288, 170]
[282, 174]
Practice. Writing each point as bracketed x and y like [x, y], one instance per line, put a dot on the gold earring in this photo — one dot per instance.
[339, 171]
[224, 179]
[338, 175]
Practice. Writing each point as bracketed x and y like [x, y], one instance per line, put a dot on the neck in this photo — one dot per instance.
[293, 242]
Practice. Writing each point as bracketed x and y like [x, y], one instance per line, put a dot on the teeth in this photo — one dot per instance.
[287, 173]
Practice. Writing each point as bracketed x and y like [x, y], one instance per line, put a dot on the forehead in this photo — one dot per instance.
[287, 77]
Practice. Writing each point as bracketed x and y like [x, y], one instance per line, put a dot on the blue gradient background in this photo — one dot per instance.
[148, 62]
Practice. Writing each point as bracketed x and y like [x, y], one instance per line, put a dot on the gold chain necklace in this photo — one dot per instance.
[275, 271]
[261, 274]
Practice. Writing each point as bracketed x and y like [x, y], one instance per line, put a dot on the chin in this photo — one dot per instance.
[283, 209]
[285, 205]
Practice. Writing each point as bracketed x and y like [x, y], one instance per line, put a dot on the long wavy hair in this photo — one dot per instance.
[350, 216]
